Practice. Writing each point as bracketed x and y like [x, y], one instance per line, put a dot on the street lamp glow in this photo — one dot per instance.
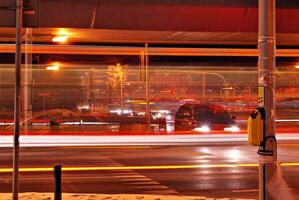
[60, 38]
[54, 67]
[297, 66]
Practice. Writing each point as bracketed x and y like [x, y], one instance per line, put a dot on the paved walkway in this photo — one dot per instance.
[69, 196]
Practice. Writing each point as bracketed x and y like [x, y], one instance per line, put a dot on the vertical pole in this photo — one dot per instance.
[122, 93]
[203, 87]
[142, 67]
[57, 186]
[17, 100]
[147, 88]
[110, 96]
[87, 85]
[266, 67]
[82, 90]
[44, 106]
[28, 80]
[92, 101]
[0, 88]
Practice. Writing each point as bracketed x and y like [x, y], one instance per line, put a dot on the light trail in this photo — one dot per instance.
[132, 140]
[154, 167]
[153, 51]
[9, 123]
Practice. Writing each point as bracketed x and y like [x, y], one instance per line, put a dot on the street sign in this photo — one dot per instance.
[30, 13]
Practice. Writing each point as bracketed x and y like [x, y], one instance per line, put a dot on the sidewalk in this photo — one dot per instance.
[69, 196]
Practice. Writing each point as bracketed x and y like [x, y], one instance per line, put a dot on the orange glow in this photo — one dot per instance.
[153, 167]
[60, 38]
[297, 66]
[86, 168]
[53, 67]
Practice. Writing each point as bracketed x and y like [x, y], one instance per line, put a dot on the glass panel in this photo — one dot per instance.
[91, 99]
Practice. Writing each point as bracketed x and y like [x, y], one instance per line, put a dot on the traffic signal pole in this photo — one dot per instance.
[266, 80]
[17, 100]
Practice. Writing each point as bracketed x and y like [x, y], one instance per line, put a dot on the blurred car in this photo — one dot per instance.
[204, 118]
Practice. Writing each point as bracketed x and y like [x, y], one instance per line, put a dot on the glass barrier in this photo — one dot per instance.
[120, 99]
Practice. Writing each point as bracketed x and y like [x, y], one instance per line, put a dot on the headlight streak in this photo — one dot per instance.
[233, 129]
[203, 129]
[154, 167]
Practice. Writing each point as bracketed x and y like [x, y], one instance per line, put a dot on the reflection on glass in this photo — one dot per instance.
[91, 100]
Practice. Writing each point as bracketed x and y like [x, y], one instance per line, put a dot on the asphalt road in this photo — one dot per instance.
[179, 170]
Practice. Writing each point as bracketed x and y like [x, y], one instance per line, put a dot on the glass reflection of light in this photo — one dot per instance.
[203, 158]
[82, 107]
[203, 172]
[120, 112]
[204, 166]
[53, 67]
[205, 150]
[203, 161]
[234, 155]
[60, 38]
[235, 170]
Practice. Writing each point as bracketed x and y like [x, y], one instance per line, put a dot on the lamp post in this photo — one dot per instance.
[17, 99]
[266, 66]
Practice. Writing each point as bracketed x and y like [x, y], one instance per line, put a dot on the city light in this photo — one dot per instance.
[232, 129]
[60, 38]
[297, 66]
[83, 107]
[204, 129]
[53, 67]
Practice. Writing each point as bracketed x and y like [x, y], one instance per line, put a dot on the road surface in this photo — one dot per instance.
[214, 170]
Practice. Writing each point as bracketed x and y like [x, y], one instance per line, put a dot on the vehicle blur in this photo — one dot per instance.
[204, 118]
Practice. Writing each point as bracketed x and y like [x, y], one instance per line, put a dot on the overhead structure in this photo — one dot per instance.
[213, 22]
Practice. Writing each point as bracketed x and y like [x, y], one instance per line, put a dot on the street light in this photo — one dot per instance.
[60, 39]
[61, 36]
[297, 66]
[54, 66]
